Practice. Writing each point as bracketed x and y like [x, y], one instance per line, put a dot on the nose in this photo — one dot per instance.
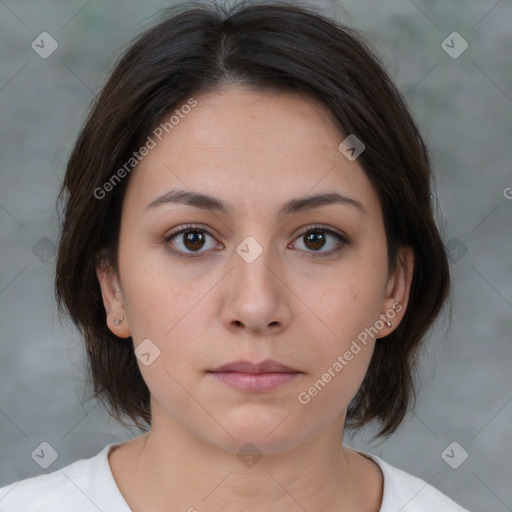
[256, 296]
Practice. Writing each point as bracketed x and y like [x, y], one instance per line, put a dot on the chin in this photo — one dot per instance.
[269, 432]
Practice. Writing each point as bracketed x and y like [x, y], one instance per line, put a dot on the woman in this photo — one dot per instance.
[249, 250]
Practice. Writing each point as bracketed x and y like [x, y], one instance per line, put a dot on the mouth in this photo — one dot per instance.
[255, 377]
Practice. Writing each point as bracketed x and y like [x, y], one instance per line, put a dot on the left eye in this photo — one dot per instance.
[317, 238]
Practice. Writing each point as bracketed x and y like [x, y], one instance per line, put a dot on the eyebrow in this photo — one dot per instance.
[206, 202]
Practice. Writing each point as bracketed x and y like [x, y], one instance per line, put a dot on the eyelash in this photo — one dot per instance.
[341, 243]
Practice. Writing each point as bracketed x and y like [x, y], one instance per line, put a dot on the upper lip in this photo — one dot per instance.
[267, 366]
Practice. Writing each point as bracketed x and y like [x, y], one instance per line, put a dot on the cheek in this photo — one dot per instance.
[157, 296]
[346, 305]
[341, 356]
[168, 308]
[341, 315]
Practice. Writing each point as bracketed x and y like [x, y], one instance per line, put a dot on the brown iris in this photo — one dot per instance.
[193, 240]
[315, 240]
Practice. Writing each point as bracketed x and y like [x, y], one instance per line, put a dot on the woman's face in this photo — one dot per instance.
[263, 271]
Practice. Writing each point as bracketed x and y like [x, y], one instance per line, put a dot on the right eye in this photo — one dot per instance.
[188, 241]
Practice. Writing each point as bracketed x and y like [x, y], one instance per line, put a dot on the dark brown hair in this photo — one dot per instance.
[267, 46]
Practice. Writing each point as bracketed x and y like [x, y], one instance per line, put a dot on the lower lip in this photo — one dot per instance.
[255, 382]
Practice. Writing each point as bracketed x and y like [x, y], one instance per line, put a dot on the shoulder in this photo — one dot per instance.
[407, 493]
[86, 485]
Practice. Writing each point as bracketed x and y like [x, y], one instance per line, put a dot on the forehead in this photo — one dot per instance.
[262, 146]
[260, 111]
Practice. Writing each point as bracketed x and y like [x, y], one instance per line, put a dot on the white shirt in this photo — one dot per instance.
[88, 485]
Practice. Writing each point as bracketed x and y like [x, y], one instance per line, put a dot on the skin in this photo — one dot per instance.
[253, 151]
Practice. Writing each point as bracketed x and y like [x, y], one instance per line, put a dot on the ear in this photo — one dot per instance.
[113, 300]
[397, 290]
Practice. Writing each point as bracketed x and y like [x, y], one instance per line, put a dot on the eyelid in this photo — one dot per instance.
[187, 227]
[327, 229]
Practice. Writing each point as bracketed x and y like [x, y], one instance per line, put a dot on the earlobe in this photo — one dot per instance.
[112, 301]
[116, 326]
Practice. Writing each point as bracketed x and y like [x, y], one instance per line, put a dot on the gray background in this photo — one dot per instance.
[464, 107]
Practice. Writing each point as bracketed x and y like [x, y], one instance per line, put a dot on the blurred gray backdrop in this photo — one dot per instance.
[462, 99]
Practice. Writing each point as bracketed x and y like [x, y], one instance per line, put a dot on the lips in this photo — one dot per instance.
[268, 366]
[255, 377]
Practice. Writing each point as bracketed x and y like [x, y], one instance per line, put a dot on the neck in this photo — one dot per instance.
[172, 469]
